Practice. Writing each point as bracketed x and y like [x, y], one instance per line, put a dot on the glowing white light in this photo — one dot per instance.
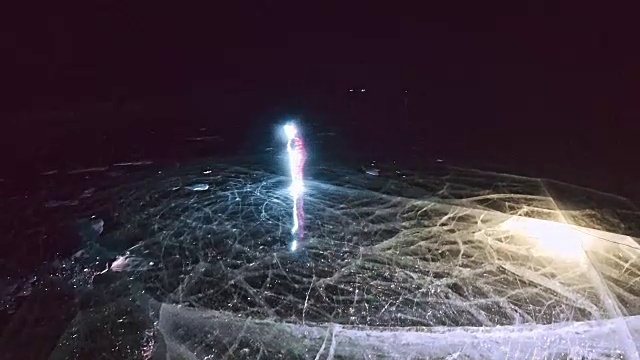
[363, 90]
[552, 238]
[297, 156]
[296, 189]
[290, 131]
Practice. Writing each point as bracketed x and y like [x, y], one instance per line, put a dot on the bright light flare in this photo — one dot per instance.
[297, 156]
[290, 131]
[551, 238]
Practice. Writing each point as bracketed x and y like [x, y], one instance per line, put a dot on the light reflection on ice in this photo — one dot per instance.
[134, 163]
[182, 328]
[197, 187]
[89, 170]
[452, 261]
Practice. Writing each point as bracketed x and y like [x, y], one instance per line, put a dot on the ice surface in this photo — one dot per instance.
[198, 187]
[433, 264]
[588, 339]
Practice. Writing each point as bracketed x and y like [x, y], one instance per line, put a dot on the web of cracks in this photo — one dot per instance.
[369, 258]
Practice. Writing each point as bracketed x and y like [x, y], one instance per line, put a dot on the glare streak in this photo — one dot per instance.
[297, 156]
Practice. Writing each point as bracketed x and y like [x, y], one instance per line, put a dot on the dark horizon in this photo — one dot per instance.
[506, 83]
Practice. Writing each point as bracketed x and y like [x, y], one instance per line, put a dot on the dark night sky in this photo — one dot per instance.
[535, 51]
[537, 65]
